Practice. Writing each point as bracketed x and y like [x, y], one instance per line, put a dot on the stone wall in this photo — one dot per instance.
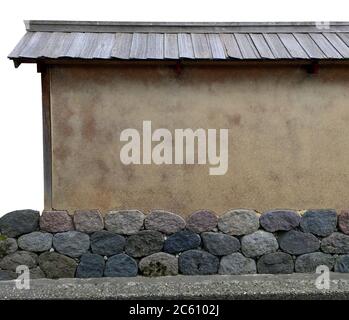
[128, 243]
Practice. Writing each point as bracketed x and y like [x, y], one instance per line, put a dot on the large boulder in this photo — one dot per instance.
[144, 243]
[125, 222]
[7, 246]
[182, 241]
[56, 221]
[56, 265]
[236, 263]
[343, 221]
[307, 263]
[201, 221]
[36, 241]
[164, 221]
[16, 223]
[18, 258]
[239, 222]
[90, 266]
[71, 243]
[275, 262]
[121, 265]
[198, 262]
[335, 243]
[88, 221]
[297, 242]
[6, 275]
[258, 243]
[320, 222]
[342, 264]
[220, 244]
[159, 264]
[279, 220]
[107, 243]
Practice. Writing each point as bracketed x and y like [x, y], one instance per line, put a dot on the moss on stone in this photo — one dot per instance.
[155, 270]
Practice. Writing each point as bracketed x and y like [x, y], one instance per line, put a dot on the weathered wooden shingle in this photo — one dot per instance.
[122, 46]
[185, 46]
[158, 41]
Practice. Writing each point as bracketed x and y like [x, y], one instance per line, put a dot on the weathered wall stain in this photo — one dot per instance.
[288, 130]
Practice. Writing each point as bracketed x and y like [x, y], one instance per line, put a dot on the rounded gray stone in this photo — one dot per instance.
[13, 260]
[274, 263]
[198, 262]
[220, 244]
[56, 265]
[320, 222]
[88, 221]
[37, 273]
[182, 241]
[125, 222]
[236, 263]
[279, 220]
[239, 222]
[159, 264]
[258, 243]
[335, 243]
[107, 243]
[297, 242]
[342, 264]
[6, 275]
[7, 246]
[71, 243]
[121, 265]
[16, 223]
[163, 221]
[307, 263]
[144, 243]
[90, 266]
[56, 221]
[36, 241]
[201, 221]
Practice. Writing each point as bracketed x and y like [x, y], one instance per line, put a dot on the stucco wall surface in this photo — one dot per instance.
[288, 136]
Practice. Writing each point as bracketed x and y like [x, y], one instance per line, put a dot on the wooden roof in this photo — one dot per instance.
[183, 40]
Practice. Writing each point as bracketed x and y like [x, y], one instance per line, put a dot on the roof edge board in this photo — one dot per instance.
[176, 27]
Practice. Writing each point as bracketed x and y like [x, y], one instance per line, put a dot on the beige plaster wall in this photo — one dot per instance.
[288, 136]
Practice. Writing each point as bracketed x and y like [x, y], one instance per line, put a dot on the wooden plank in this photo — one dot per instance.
[171, 46]
[309, 46]
[276, 46]
[139, 46]
[292, 46]
[16, 52]
[200, 46]
[231, 46]
[261, 45]
[122, 45]
[155, 46]
[325, 46]
[78, 41]
[246, 46]
[104, 45]
[58, 45]
[47, 136]
[89, 46]
[217, 46]
[181, 27]
[35, 46]
[185, 46]
[344, 37]
[340, 46]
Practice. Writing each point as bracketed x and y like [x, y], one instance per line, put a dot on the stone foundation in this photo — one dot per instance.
[128, 243]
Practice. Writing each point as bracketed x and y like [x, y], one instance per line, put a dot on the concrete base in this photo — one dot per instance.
[294, 286]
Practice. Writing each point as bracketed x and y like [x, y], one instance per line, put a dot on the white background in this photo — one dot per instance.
[21, 172]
